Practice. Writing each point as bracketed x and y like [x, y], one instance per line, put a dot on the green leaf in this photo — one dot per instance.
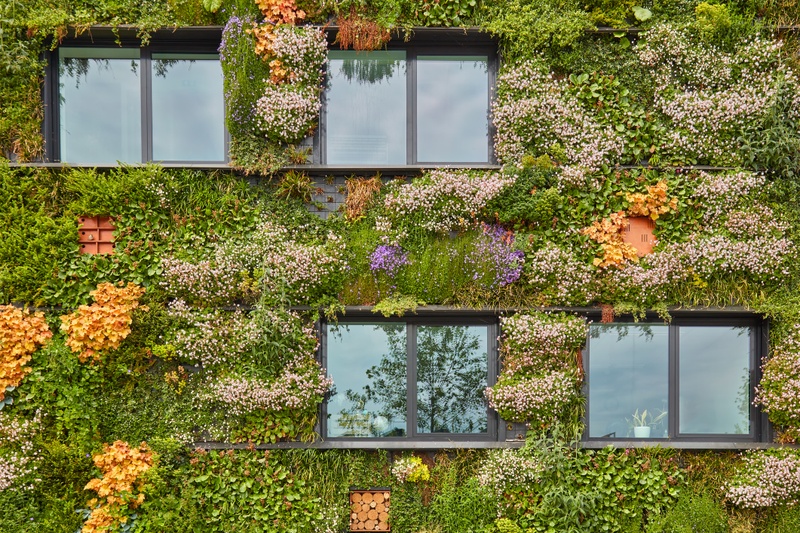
[641, 13]
[212, 5]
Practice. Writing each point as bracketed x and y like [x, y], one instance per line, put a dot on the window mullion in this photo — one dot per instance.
[673, 392]
[411, 107]
[147, 105]
[411, 379]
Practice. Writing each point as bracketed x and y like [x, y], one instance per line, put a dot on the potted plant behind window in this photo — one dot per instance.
[642, 423]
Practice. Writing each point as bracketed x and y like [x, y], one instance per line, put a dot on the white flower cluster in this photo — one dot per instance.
[287, 113]
[710, 97]
[442, 200]
[302, 50]
[767, 479]
[559, 277]
[19, 458]
[300, 385]
[506, 468]
[536, 113]
[537, 400]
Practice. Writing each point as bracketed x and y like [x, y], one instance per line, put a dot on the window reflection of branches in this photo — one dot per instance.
[623, 330]
[368, 70]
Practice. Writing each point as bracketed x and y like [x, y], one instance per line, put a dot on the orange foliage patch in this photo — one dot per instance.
[122, 468]
[104, 324]
[281, 11]
[608, 232]
[21, 334]
[651, 204]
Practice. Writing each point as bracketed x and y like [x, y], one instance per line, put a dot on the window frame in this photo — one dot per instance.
[760, 428]
[195, 40]
[493, 421]
[425, 42]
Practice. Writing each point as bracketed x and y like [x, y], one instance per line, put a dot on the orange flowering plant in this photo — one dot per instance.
[104, 324]
[120, 484]
[21, 334]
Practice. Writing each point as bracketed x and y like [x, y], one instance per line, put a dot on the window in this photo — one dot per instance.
[416, 106]
[137, 104]
[686, 380]
[416, 378]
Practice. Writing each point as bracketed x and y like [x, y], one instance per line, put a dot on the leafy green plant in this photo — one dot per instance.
[691, 513]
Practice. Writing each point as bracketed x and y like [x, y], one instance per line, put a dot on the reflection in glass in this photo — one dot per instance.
[368, 365]
[452, 109]
[452, 368]
[366, 108]
[628, 372]
[188, 108]
[100, 105]
[714, 380]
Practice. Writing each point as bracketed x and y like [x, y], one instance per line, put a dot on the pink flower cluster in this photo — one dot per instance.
[559, 277]
[721, 193]
[241, 267]
[762, 259]
[779, 390]
[537, 400]
[505, 468]
[298, 266]
[212, 338]
[443, 200]
[711, 97]
[288, 112]
[19, 457]
[297, 387]
[535, 113]
[540, 342]
[302, 50]
[767, 479]
[205, 282]
[759, 222]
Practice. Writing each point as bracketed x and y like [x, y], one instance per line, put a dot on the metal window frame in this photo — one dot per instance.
[432, 42]
[760, 429]
[188, 41]
[412, 324]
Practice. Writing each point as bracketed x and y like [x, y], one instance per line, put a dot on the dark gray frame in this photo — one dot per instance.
[198, 40]
[760, 429]
[493, 421]
[428, 41]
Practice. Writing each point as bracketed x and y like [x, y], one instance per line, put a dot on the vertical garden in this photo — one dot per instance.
[203, 375]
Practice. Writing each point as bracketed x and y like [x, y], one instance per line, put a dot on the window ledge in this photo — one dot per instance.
[367, 444]
[349, 170]
[107, 166]
[681, 445]
[377, 444]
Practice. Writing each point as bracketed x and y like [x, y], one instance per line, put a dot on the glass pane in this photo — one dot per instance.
[368, 365]
[100, 105]
[714, 374]
[452, 109]
[366, 108]
[188, 108]
[628, 375]
[452, 367]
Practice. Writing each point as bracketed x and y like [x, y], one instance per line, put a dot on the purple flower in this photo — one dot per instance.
[389, 258]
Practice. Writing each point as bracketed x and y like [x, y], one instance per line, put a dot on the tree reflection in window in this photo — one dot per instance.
[451, 368]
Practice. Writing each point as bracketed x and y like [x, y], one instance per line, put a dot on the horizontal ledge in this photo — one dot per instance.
[485, 445]
[370, 444]
[423, 310]
[682, 445]
[338, 170]
[106, 166]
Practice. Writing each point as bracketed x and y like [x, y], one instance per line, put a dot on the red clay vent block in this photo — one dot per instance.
[369, 510]
[96, 235]
[639, 234]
